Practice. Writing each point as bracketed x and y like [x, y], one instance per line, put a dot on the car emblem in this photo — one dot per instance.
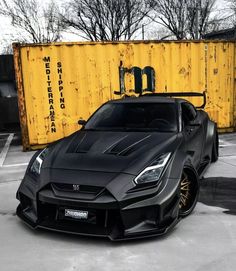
[76, 187]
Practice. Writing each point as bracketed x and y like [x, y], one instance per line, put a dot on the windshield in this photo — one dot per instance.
[134, 117]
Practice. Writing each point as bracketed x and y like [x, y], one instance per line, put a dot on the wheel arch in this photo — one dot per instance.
[209, 140]
[180, 161]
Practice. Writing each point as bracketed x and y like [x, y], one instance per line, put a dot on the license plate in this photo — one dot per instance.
[76, 214]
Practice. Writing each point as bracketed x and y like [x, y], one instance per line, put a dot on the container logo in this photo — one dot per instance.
[138, 74]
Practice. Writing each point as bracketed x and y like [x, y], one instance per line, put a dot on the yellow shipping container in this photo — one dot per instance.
[60, 83]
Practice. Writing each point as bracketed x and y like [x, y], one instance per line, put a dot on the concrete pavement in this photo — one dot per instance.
[13, 166]
[206, 240]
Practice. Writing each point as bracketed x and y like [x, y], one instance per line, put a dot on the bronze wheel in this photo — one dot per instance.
[184, 191]
[189, 188]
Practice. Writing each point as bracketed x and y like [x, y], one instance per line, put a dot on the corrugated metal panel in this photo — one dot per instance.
[61, 83]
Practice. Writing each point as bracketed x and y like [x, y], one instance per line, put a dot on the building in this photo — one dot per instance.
[9, 116]
[225, 34]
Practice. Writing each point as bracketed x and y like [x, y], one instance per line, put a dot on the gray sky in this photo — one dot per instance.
[7, 31]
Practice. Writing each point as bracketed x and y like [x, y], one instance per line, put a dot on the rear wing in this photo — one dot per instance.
[181, 94]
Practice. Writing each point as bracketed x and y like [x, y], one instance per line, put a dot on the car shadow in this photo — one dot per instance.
[219, 192]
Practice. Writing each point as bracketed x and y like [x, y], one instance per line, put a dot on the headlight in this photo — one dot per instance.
[152, 173]
[37, 164]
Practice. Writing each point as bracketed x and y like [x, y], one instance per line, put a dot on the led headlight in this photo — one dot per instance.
[153, 172]
[37, 164]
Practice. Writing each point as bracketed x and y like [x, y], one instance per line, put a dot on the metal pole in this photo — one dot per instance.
[143, 31]
[197, 20]
[128, 17]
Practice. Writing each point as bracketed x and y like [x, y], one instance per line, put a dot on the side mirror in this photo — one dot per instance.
[82, 122]
[194, 121]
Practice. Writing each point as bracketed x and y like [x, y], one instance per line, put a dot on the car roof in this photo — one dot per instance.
[148, 99]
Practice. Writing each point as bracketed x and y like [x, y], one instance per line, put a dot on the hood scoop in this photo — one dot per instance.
[119, 144]
[81, 144]
[127, 145]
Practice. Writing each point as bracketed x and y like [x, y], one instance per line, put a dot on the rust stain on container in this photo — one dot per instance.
[60, 83]
[21, 98]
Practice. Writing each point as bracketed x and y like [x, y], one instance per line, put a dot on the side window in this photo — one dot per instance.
[189, 113]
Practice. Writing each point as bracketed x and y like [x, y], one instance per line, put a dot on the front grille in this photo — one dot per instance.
[99, 222]
[57, 214]
[82, 188]
[76, 191]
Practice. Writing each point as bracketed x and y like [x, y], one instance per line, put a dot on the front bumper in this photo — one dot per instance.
[118, 220]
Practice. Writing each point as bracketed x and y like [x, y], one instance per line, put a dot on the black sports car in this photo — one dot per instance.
[133, 170]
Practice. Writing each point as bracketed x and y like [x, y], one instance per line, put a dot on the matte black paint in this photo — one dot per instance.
[105, 164]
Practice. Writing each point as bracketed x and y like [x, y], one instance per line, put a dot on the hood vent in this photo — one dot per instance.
[108, 143]
[128, 145]
[81, 144]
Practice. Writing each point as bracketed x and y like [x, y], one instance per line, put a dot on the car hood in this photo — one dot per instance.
[114, 152]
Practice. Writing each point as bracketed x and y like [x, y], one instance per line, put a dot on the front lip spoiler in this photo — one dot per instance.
[141, 235]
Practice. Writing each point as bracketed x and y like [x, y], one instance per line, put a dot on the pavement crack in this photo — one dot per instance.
[11, 181]
[3, 213]
[228, 164]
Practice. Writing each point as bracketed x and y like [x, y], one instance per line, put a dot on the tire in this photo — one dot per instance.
[215, 147]
[189, 191]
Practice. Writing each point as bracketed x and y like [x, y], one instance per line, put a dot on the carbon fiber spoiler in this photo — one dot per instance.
[181, 94]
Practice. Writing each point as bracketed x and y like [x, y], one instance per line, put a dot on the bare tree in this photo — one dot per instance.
[232, 16]
[38, 24]
[183, 18]
[172, 14]
[198, 16]
[159, 33]
[105, 19]
[6, 48]
[232, 5]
